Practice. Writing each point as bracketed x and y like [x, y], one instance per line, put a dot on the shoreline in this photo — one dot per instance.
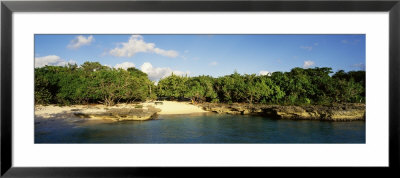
[337, 112]
[176, 107]
[150, 110]
[139, 111]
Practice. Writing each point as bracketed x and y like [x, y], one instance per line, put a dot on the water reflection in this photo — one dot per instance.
[199, 128]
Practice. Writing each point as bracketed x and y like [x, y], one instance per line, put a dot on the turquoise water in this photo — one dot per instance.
[203, 128]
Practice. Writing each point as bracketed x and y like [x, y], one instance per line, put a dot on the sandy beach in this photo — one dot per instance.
[173, 107]
[167, 107]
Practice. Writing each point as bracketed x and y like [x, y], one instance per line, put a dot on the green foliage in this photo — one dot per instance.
[90, 83]
[42, 94]
[94, 83]
[297, 87]
[172, 87]
[201, 89]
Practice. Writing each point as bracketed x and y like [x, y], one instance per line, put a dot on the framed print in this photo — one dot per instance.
[137, 88]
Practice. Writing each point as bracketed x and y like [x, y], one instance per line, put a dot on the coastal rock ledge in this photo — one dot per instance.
[339, 112]
[121, 114]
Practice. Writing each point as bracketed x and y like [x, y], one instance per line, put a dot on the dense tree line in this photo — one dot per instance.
[90, 83]
[93, 83]
[297, 87]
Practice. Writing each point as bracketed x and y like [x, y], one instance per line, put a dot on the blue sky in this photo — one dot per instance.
[215, 55]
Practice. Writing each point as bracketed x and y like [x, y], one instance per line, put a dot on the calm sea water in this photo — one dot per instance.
[204, 128]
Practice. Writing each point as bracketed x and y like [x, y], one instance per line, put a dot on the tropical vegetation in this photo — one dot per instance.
[92, 82]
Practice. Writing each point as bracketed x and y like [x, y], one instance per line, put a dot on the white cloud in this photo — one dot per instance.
[108, 65]
[156, 73]
[136, 44]
[51, 60]
[80, 41]
[308, 64]
[66, 63]
[124, 65]
[264, 72]
[214, 63]
[308, 48]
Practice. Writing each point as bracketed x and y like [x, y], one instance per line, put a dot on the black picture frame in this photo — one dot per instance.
[8, 7]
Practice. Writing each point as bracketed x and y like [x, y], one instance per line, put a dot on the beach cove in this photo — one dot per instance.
[183, 122]
[150, 110]
[93, 110]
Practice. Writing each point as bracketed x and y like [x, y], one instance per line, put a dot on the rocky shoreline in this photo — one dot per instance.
[119, 112]
[148, 111]
[122, 114]
[338, 112]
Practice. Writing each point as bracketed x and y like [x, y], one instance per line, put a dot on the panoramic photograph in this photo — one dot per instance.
[199, 88]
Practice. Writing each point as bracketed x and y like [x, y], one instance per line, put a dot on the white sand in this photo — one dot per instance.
[174, 107]
[53, 111]
[168, 107]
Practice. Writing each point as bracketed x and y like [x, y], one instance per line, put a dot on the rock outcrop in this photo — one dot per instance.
[339, 112]
[122, 114]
